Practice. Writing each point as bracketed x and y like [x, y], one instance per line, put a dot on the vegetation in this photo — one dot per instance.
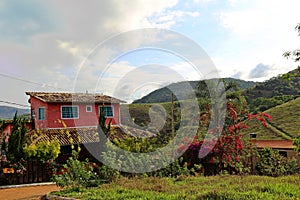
[284, 124]
[273, 164]
[22, 146]
[286, 117]
[44, 151]
[262, 103]
[14, 147]
[16, 141]
[295, 56]
[74, 174]
[199, 187]
[297, 144]
[273, 92]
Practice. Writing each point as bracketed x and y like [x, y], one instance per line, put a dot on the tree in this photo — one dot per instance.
[102, 122]
[294, 55]
[16, 141]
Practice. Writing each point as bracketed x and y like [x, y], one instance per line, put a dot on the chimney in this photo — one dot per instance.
[253, 136]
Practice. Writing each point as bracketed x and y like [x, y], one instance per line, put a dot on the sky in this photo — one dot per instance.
[61, 46]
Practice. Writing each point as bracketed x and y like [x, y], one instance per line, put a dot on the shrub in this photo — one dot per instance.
[75, 174]
[273, 164]
[229, 152]
[42, 151]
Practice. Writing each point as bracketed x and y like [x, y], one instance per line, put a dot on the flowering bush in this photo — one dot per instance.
[229, 151]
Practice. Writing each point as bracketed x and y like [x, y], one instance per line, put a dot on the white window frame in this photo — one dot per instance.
[89, 106]
[38, 112]
[61, 113]
[112, 108]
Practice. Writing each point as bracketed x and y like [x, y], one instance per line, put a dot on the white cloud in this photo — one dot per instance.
[169, 18]
[258, 33]
[55, 37]
[203, 1]
[260, 71]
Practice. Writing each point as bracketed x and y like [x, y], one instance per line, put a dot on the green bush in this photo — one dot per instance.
[273, 164]
[42, 151]
[108, 174]
[75, 174]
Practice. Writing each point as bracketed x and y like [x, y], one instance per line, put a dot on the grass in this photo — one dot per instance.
[215, 187]
[286, 117]
[284, 125]
[263, 133]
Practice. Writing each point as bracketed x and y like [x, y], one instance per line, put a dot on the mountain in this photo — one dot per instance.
[187, 89]
[7, 112]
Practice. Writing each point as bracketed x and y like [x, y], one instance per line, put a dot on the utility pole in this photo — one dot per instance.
[172, 117]
[173, 130]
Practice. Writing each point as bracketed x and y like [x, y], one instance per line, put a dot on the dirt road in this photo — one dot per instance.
[26, 193]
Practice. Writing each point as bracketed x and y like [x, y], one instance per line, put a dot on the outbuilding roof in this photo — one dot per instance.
[274, 144]
[67, 136]
[57, 97]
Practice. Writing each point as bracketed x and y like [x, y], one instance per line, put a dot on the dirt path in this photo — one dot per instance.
[29, 192]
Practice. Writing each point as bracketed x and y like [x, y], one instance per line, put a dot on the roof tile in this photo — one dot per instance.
[56, 97]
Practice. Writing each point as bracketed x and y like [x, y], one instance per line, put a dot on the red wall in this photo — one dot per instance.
[53, 115]
[9, 126]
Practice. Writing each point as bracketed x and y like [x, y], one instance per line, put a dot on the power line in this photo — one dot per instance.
[13, 103]
[32, 82]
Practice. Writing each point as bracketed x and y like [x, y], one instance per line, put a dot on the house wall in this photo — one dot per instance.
[7, 130]
[53, 115]
[35, 104]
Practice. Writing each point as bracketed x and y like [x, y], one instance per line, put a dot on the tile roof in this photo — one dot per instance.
[56, 97]
[276, 144]
[67, 136]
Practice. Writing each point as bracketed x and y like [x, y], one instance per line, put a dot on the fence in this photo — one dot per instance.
[35, 172]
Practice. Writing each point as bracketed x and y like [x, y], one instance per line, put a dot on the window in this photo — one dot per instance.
[88, 108]
[109, 111]
[69, 112]
[41, 113]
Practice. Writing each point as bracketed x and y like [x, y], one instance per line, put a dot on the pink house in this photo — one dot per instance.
[75, 110]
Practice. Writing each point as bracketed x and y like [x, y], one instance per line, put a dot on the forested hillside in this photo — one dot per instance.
[184, 90]
[275, 91]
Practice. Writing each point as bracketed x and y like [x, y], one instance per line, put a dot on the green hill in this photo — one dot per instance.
[285, 122]
[286, 117]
